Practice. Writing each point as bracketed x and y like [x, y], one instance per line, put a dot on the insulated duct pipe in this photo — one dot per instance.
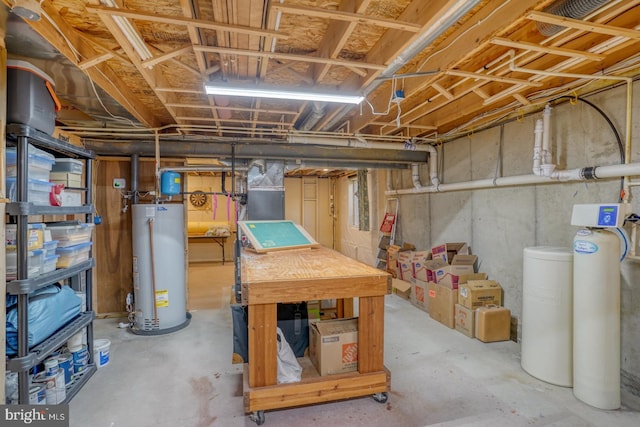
[576, 9]
[450, 18]
[314, 116]
[581, 174]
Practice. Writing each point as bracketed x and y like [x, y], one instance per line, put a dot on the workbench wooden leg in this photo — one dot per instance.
[263, 369]
[371, 334]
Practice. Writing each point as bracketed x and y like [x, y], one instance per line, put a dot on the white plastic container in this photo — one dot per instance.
[68, 165]
[49, 248]
[547, 314]
[34, 264]
[39, 163]
[49, 263]
[35, 236]
[73, 255]
[37, 191]
[70, 235]
[101, 352]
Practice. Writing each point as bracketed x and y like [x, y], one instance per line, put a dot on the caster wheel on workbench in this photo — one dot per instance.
[381, 397]
[258, 417]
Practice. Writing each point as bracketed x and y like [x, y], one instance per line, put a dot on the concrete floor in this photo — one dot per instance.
[439, 377]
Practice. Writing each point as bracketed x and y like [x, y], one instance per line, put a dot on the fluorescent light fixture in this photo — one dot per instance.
[301, 95]
[130, 33]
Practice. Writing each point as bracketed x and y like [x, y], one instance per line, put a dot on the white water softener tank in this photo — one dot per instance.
[596, 318]
[159, 268]
[547, 314]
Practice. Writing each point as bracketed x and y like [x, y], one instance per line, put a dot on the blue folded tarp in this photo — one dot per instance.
[50, 308]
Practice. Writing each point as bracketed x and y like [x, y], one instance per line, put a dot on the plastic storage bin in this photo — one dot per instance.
[69, 235]
[37, 191]
[35, 236]
[68, 165]
[72, 255]
[39, 163]
[49, 263]
[31, 99]
[34, 264]
[50, 248]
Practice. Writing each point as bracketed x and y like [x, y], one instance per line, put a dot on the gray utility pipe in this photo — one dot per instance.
[581, 174]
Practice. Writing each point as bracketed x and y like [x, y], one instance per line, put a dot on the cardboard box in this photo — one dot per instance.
[392, 258]
[493, 324]
[447, 251]
[405, 270]
[71, 197]
[431, 267]
[401, 288]
[333, 346]
[442, 300]
[465, 320]
[460, 265]
[66, 178]
[478, 293]
[418, 264]
[420, 294]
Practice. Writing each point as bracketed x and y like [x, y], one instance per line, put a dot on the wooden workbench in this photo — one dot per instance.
[301, 275]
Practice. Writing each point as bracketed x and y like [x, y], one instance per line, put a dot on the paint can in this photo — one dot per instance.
[51, 366]
[65, 362]
[80, 358]
[54, 385]
[37, 394]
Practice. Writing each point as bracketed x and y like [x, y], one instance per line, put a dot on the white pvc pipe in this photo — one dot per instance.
[601, 172]
[537, 147]
[546, 135]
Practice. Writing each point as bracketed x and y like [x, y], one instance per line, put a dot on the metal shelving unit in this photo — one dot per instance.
[21, 136]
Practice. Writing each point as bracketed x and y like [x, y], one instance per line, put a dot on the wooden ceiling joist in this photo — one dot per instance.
[590, 27]
[346, 16]
[248, 109]
[188, 22]
[492, 78]
[288, 57]
[500, 41]
[166, 56]
[92, 62]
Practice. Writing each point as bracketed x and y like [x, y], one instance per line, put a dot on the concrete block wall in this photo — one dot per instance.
[499, 223]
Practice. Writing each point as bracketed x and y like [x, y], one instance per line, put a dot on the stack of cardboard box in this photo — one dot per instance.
[445, 283]
[479, 312]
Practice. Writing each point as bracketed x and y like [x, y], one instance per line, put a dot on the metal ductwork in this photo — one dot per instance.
[317, 112]
[334, 155]
[575, 9]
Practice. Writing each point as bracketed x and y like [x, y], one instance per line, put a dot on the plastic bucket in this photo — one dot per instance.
[101, 352]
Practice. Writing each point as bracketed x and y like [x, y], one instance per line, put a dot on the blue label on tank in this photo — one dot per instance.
[584, 247]
[162, 209]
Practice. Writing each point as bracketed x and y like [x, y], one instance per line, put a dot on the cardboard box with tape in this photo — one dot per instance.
[333, 346]
[478, 293]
